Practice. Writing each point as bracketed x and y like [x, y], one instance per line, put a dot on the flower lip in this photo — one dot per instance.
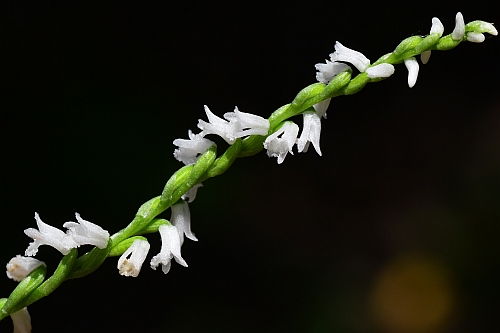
[131, 261]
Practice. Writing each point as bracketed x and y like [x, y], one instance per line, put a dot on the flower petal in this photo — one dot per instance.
[380, 70]
[412, 66]
[459, 31]
[475, 37]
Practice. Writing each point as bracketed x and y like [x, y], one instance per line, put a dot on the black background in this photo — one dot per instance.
[93, 96]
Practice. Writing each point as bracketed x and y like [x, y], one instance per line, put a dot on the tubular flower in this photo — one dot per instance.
[170, 248]
[310, 133]
[181, 219]
[412, 66]
[356, 58]
[280, 147]
[459, 31]
[85, 232]
[131, 261]
[219, 126]
[19, 266]
[326, 72]
[22, 321]
[48, 235]
[247, 123]
[190, 150]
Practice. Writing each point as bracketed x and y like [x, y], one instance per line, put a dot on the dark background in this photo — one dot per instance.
[394, 229]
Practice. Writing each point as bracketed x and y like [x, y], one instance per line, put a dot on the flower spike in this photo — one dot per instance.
[48, 235]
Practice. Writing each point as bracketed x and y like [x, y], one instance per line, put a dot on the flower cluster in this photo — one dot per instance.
[78, 233]
[239, 124]
[172, 237]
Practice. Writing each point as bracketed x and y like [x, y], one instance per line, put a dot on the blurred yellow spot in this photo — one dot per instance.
[412, 295]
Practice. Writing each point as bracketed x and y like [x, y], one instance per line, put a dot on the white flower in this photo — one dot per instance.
[321, 107]
[326, 72]
[22, 321]
[219, 126]
[181, 219]
[247, 123]
[190, 195]
[170, 248]
[190, 150]
[356, 58]
[131, 261]
[310, 133]
[488, 27]
[412, 66]
[437, 27]
[459, 31]
[380, 70]
[475, 37]
[19, 266]
[85, 232]
[280, 147]
[48, 235]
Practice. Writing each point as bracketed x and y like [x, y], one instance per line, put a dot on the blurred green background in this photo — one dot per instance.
[394, 229]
